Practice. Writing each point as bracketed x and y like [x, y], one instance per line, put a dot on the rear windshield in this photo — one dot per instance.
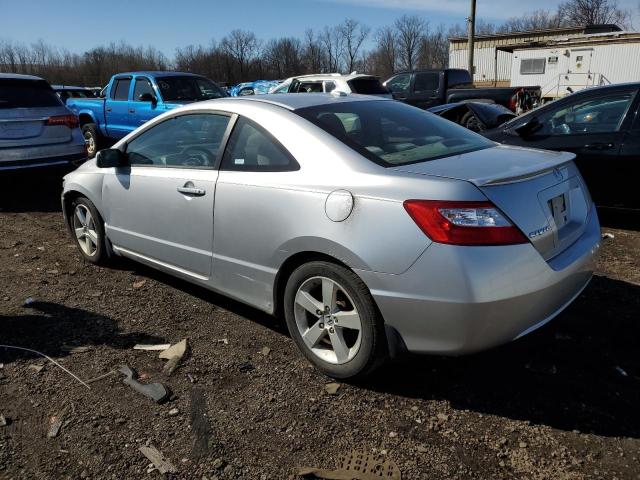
[393, 133]
[188, 88]
[18, 93]
[367, 86]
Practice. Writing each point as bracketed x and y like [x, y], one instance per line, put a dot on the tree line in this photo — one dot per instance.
[408, 43]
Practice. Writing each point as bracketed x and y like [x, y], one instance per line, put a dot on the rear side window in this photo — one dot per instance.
[121, 89]
[458, 79]
[18, 93]
[426, 82]
[392, 133]
[367, 86]
[310, 87]
[253, 149]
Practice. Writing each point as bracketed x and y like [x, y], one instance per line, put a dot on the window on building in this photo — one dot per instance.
[532, 66]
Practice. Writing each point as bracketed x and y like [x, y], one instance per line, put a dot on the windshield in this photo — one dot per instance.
[188, 88]
[393, 133]
[18, 93]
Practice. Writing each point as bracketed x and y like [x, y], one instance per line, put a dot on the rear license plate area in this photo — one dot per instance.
[558, 209]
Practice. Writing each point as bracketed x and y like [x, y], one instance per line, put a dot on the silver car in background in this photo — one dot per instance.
[36, 128]
[372, 226]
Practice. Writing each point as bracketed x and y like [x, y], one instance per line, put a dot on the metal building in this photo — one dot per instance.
[571, 64]
[493, 53]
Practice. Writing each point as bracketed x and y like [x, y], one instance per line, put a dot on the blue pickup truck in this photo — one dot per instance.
[134, 98]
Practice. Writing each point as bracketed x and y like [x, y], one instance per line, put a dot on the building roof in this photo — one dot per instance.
[585, 29]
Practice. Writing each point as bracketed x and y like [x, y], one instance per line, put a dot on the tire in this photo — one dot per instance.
[470, 121]
[90, 230]
[91, 138]
[337, 350]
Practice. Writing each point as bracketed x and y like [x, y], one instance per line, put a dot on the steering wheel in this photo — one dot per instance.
[198, 157]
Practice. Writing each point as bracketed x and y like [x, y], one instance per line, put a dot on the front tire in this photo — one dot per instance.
[333, 320]
[91, 139]
[470, 121]
[87, 228]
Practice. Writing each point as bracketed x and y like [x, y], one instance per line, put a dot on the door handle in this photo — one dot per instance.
[108, 109]
[599, 146]
[189, 189]
[131, 110]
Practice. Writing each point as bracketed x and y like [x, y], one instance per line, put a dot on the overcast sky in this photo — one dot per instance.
[167, 24]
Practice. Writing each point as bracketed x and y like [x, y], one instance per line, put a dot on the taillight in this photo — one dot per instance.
[463, 223]
[513, 102]
[70, 121]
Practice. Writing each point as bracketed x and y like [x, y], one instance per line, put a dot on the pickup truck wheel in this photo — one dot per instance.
[470, 121]
[90, 134]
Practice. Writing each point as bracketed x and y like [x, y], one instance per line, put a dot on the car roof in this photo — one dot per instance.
[18, 76]
[158, 73]
[334, 76]
[68, 87]
[296, 101]
[604, 88]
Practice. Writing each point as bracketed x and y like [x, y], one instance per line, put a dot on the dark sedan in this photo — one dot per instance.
[601, 126]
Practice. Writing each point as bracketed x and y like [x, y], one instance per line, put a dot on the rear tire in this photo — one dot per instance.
[87, 229]
[334, 321]
[91, 139]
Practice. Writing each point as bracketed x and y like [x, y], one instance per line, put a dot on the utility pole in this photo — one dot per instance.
[472, 29]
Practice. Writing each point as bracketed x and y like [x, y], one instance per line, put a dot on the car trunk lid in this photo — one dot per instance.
[23, 127]
[541, 192]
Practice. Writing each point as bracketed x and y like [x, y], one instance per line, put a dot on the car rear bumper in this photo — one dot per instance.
[457, 300]
[36, 157]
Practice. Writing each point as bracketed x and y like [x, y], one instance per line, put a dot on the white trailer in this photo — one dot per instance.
[565, 66]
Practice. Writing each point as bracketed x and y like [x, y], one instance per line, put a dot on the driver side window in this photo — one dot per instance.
[187, 141]
[594, 115]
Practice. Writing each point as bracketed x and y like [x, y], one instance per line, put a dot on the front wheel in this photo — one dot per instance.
[88, 230]
[470, 121]
[333, 319]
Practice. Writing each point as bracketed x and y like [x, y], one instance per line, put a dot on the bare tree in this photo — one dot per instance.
[387, 52]
[593, 12]
[411, 30]
[242, 47]
[353, 35]
[333, 43]
[313, 54]
[536, 20]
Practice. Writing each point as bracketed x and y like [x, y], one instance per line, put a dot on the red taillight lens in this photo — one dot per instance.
[70, 121]
[463, 223]
[513, 103]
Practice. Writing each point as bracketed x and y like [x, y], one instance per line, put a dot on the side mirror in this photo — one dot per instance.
[529, 127]
[148, 97]
[110, 158]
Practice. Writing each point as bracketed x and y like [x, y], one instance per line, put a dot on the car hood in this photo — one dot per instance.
[499, 164]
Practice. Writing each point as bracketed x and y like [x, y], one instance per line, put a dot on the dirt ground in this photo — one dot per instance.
[562, 403]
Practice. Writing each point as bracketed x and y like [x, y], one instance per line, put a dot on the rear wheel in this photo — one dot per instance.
[332, 318]
[88, 230]
[91, 138]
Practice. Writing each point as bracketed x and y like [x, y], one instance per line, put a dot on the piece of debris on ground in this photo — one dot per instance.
[158, 460]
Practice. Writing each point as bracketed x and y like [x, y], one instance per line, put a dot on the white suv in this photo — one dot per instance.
[329, 82]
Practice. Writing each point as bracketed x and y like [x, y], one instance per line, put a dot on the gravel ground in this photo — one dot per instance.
[562, 403]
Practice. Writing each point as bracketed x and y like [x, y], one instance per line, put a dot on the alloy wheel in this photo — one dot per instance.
[328, 320]
[85, 230]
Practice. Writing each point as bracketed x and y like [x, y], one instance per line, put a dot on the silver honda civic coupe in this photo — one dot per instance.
[373, 227]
